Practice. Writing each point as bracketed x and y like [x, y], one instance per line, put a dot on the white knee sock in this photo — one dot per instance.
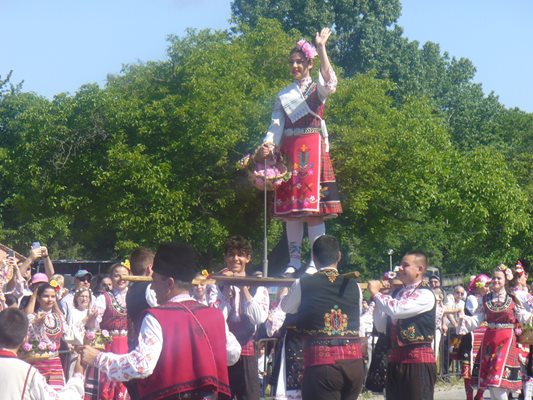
[314, 231]
[498, 394]
[295, 234]
[528, 388]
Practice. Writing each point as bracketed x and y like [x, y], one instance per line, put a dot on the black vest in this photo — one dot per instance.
[329, 308]
[136, 305]
[419, 329]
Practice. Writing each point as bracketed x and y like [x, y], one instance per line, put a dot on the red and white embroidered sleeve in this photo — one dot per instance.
[140, 362]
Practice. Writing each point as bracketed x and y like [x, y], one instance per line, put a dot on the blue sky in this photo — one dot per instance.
[58, 45]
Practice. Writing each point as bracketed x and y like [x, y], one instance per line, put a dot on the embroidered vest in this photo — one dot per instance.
[416, 330]
[499, 314]
[115, 316]
[195, 341]
[315, 104]
[329, 306]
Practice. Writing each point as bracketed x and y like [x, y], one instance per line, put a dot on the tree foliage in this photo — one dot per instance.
[423, 158]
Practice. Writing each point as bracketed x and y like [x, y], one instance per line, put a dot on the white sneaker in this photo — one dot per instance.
[311, 270]
[289, 270]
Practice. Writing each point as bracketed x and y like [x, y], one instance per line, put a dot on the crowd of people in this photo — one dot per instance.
[180, 333]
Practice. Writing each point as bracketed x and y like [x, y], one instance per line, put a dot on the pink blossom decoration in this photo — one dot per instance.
[41, 346]
[90, 335]
[27, 347]
[518, 331]
[307, 48]
[105, 333]
[52, 347]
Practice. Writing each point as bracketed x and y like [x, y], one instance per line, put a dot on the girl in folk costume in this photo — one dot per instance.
[470, 342]
[299, 131]
[497, 365]
[46, 328]
[111, 308]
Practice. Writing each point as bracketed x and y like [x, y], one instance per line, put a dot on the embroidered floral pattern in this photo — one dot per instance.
[410, 334]
[331, 274]
[335, 322]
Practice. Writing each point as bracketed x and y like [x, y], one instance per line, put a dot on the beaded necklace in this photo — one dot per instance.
[496, 306]
[53, 325]
[117, 306]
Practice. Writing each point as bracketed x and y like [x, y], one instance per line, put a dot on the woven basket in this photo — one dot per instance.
[526, 337]
[275, 170]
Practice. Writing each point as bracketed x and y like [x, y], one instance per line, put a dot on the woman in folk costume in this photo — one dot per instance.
[470, 342]
[46, 328]
[113, 318]
[82, 319]
[497, 365]
[520, 290]
[299, 131]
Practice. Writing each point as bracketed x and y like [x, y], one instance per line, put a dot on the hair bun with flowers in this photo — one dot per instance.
[55, 284]
[519, 268]
[307, 48]
[507, 271]
[126, 264]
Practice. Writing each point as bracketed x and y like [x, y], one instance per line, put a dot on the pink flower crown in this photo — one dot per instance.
[507, 271]
[307, 48]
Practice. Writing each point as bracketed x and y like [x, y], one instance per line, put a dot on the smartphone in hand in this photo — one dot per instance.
[35, 245]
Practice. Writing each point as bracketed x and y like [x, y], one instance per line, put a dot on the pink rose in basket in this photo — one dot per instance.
[90, 335]
[27, 347]
[52, 347]
[105, 333]
[42, 346]
[517, 331]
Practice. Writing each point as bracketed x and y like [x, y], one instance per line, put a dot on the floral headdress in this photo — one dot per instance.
[506, 270]
[479, 282]
[126, 264]
[307, 48]
[83, 289]
[55, 284]
[203, 278]
[519, 268]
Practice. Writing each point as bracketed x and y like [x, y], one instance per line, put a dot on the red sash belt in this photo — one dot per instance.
[248, 349]
[412, 355]
[327, 355]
